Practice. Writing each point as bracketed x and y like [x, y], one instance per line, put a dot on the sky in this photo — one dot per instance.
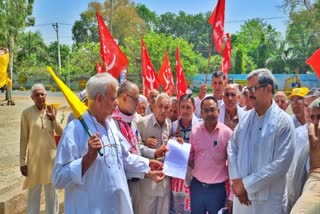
[66, 12]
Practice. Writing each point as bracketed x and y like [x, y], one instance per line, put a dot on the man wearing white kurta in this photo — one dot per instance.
[93, 183]
[261, 150]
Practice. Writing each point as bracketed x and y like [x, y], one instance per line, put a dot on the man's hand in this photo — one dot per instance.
[161, 152]
[24, 170]
[94, 145]
[180, 140]
[51, 112]
[229, 205]
[155, 164]
[156, 176]
[244, 199]
[238, 187]
[202, 91]
[151, 142]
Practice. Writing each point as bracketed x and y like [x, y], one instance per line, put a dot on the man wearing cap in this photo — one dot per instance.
[297, 105]
[309, 200]
[299, 169]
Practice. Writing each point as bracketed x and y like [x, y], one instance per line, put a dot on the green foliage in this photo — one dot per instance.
[64, 52]
[156, 44]
[262, 53]
[83, 60]
[125, 22]
[238, 62]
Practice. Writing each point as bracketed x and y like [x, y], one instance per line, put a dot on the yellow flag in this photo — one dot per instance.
[78, 107]
[4, 61]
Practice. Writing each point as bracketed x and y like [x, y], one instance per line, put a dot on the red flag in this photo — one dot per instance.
[217, 21]
[150, 80]
[100, 69]
[225, 65]
[314, 62]
[165, 75]
[182, 86]
[113, 59]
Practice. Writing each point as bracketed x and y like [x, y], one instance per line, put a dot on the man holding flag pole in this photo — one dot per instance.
[95, 183]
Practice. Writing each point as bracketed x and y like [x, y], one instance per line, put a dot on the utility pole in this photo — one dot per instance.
[110, 27]
[68, 70]
[56, 28]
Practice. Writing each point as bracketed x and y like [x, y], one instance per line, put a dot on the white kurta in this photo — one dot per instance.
[103, 188]
[260, 152]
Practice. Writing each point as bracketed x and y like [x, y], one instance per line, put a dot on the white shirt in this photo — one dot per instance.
[103, 188]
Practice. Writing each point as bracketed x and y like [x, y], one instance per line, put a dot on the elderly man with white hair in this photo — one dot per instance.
[95, 183]
[37, 150]
[142, 105]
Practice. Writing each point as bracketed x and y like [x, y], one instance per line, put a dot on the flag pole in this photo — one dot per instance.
[209, 57]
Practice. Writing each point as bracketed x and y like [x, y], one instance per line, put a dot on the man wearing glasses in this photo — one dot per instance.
[297, 105]
[124, 117]
[261, 150]
[96, 183]
[37, 150]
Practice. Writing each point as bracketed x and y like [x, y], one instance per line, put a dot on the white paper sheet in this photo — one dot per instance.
[176, 159]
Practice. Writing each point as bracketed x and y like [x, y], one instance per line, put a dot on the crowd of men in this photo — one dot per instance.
[248, 155]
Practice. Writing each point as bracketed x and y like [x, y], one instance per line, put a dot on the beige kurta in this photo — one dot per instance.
[37, 146]
[155, 197]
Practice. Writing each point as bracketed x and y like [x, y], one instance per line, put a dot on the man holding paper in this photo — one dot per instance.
[208, 156]
[155, 131]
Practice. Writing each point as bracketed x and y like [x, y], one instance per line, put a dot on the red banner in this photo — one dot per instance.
[113, 59]
[165, 75]
[150, 80]
[217, 21]
[226, 59]
[182, 85]
[314, 62]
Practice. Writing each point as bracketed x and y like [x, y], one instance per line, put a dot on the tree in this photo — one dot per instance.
[301, 39]
[150, 17]
[32, 53]
[192, 62]
[238, 62]
[125, 22]
[262, 52]
[15, 15]
[250, 36]
[64, 53]
[83, 59]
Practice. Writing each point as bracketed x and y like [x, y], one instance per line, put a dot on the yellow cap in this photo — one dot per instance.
[300, 92]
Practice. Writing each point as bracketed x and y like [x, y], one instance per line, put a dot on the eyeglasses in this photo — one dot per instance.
[207, 110]
[229, 94]
[297, 101]
[253, 89]
[134, 98]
